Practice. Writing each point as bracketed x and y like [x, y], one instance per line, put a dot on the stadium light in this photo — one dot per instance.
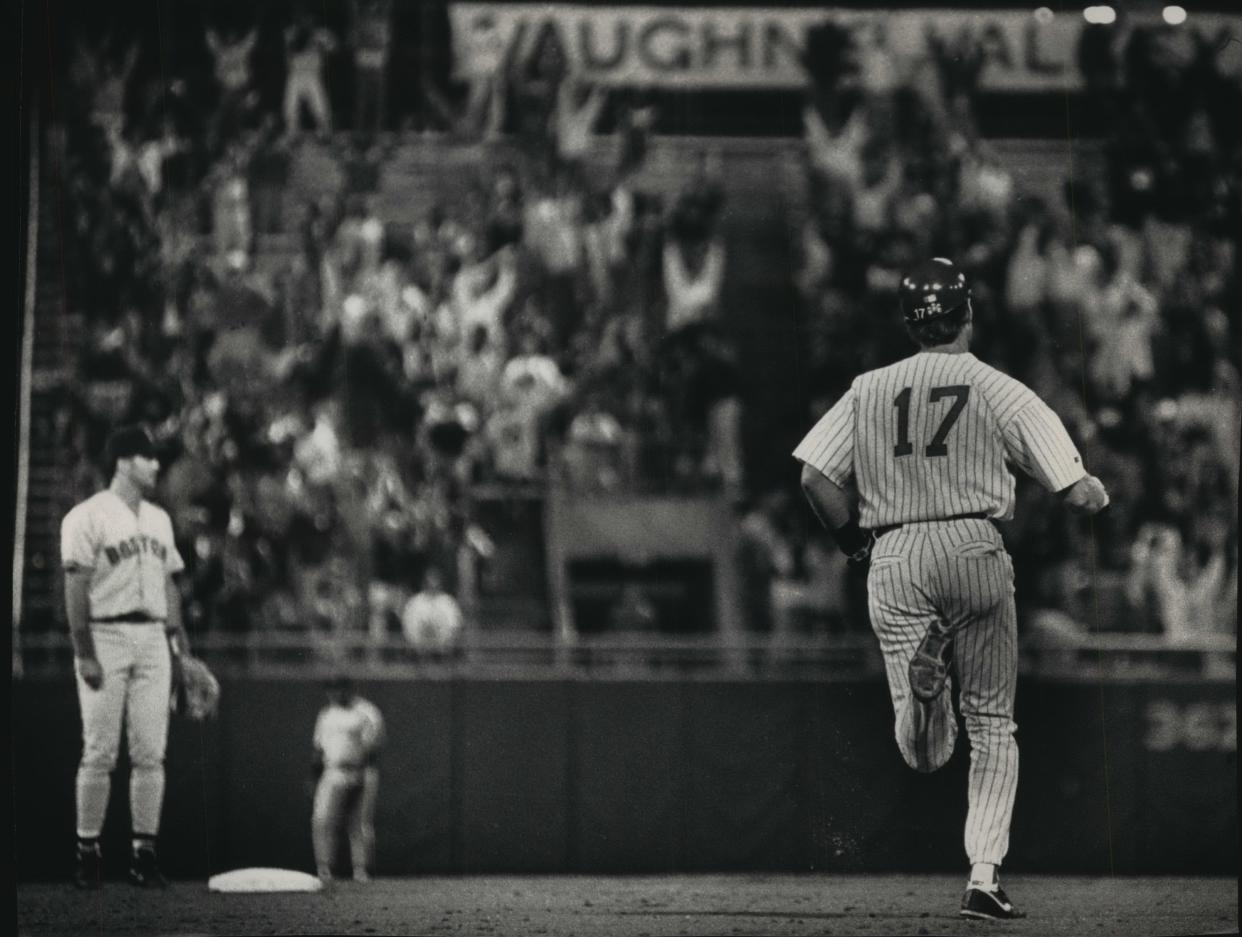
[1043, 15]
[1174, 15]
[1100, 15]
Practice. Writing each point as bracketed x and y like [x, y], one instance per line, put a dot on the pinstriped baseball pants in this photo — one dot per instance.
[956, 572]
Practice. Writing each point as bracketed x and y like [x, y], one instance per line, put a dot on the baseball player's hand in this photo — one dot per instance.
[855, 543]
[1086, 496]
[177, 684]
[860, 559]
[91, 671]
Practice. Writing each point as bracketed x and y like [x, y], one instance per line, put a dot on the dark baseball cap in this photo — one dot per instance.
[340, 681]
[127, 442]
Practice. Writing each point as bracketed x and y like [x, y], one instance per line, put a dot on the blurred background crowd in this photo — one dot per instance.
[327, 421]
[1117, 304]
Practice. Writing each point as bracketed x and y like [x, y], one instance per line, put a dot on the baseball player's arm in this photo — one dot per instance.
[317, 746]
[174, 626]
[1038, 443]
[77, 555]
[78, 611]
[833, 505]
[827, 457]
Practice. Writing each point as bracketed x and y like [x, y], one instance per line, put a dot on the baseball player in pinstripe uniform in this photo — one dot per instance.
[124, 612]
[928, 442]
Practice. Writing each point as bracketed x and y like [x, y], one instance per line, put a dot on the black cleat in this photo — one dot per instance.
[989, 905]
[144, 870]
[88, 870]
[929, 668]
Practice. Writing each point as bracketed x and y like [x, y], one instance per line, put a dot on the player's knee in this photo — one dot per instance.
[97, 760]
[989, 728]
[147, 757]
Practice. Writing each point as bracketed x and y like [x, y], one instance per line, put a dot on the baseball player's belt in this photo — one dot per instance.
[973, 515]
[134, 618]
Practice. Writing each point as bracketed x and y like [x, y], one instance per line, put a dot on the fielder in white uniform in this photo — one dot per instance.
[928, 442]
[349, 735]
[124, 612]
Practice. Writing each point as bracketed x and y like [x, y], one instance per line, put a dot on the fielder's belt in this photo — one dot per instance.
[128, 618]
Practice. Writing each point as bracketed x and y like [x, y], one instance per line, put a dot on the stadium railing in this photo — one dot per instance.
[536, 655]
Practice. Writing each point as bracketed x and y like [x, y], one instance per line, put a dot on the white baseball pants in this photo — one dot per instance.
[137, 683]
[345, 797]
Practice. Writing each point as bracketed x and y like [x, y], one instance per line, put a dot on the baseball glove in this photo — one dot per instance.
[196, 691]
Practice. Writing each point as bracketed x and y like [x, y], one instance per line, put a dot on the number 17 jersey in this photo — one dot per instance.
[932, 437]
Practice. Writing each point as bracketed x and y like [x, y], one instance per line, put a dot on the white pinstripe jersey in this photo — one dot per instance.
[933, 436]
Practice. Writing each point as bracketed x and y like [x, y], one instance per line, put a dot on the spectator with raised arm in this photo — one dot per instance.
[482, 65]
[306, 48]
[99, 75]
[233, 77]
[959, 61]
[578, 107]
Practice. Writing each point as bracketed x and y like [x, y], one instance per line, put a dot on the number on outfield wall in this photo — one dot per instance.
[1195, 727]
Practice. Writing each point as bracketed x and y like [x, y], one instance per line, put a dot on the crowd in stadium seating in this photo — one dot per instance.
[1118, 305]
[323, 421]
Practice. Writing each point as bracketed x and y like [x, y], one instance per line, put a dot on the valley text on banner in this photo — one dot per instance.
[722, 47]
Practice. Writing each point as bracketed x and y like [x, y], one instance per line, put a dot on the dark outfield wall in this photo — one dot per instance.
[546, 776]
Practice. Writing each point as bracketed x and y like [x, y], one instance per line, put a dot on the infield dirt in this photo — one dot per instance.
[580, 906]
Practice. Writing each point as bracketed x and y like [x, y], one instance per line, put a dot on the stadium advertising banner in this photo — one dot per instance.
[727, 47]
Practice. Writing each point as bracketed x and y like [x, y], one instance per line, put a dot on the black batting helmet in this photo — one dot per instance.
[932, 289]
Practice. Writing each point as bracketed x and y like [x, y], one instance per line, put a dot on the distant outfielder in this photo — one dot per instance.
[927, 442]
[349, 734]
[124, 612]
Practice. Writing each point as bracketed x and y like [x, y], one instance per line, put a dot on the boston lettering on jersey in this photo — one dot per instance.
[139, 543]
